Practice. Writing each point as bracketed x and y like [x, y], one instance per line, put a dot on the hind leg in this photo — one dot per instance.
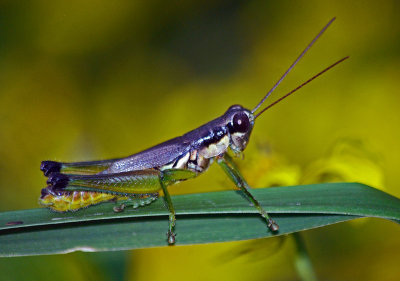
[125, 184]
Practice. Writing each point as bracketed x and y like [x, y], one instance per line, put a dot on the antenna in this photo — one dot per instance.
[293, 64]
[300, 86]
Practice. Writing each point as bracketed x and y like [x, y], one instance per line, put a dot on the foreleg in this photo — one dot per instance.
[233, 173]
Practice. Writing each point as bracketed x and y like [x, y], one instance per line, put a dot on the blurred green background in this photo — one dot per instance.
[83, 80]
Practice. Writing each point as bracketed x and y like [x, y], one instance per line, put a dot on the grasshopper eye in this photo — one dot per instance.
[240, 122]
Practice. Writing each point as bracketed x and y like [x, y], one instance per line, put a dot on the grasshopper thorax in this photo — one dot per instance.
[240, 124]
[230, 130]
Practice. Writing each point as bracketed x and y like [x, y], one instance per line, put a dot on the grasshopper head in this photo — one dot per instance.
[239, 121]
[240, 124]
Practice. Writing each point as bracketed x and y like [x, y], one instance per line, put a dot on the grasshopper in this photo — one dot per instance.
[137, 179]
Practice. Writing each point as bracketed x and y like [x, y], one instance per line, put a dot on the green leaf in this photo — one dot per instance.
[201, 218]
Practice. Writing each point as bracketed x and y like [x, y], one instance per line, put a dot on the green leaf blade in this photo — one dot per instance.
[201, 218]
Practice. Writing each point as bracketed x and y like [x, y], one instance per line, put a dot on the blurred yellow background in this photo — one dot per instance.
[82, 80]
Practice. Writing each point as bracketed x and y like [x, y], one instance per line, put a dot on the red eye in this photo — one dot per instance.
[240, 122]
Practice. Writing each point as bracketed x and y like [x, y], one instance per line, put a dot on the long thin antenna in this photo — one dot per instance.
[291, 67]
[300, 86]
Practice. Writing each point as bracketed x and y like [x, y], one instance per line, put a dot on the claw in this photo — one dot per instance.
[58, 181]
[120, 208]
[49, 167]
[171, 238]
[273, 225]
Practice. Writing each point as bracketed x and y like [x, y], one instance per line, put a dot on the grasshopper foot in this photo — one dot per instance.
[49, 167]
[171, 237]
[273, 225]
[58, 181]
[119, 209]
